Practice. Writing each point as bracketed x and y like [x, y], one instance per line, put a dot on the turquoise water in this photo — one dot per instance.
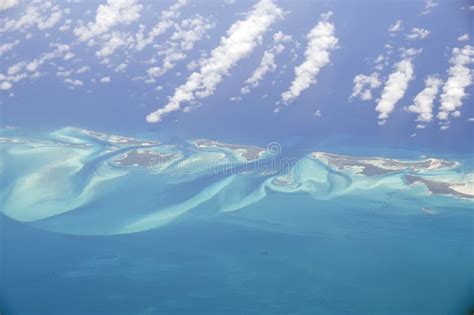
[80, 235]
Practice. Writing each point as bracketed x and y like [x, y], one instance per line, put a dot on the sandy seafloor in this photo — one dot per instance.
[359, 252]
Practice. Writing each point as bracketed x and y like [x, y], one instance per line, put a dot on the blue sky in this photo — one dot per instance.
[391, 73]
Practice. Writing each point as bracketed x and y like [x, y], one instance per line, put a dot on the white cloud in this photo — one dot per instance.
[470, 119]
[429, 5]
[43, 15]
[460, 77]
[7, 4]
[463, 38]
[167, 20]
[8, 46]
[394, 89]
[63, 74]
[363, 86]
[22, 70]
[444, 127]
[410, 52]
[115, 41]
[423, 102]
[395, 27]
[109, 15]
[418, 33]
[5, 85]
[321, 41]
[182, 40]
[242, 37]
[105, 80]
[318, 113]
[267, 64]
[73, 82]
[83, 69]
[49, 22]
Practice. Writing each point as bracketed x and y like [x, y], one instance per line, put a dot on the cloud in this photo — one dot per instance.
[463, 38]
[321, 41]
[318, 113]
[423, 102]
[429, 5]
[182, 40]
[363, 86]
[23, 69]
[8, 46]
[395, 27]
[242, 37]
[73, 82]
[105, 80]
[167, 20]
[43, 15]
[410, 52]
[267, 64]
[109, 15]
[5, 85]
[114, 41]
[460, 77]
[7, 4]
[394, 89]
[418, 33]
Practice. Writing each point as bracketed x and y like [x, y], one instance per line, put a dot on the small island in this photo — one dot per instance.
[464, 190]
[373, 166]
[115, 139]
[248, 153]
[145, 158]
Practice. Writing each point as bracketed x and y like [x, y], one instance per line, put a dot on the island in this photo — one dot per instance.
[373, 166]
[115, 139]
[464, 190]
[248, 153]
[145, 158]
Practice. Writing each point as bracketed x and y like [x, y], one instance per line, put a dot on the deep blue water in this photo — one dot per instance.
[317, 258]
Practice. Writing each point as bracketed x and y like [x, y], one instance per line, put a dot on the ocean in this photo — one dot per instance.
[82, 236]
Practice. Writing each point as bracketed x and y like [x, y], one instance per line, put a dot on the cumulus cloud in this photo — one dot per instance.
[73, 82]
[429, 5]
[267, 64]
[43, 15]
[113, 42]
[395, 27]
[23, 69]
[109, 15]
[105, 80]
[5, 85]
[454, 89]
[321, 41]
[418, 33]
[463, 38]
[363, 86]
[7, 4]
[8, 46]
[182, 40]
[410, 52]
[167, 18]
[242, 37]
[394, 89]
[423, 102]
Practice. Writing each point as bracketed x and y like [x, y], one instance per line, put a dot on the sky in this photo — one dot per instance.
[369, 73]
